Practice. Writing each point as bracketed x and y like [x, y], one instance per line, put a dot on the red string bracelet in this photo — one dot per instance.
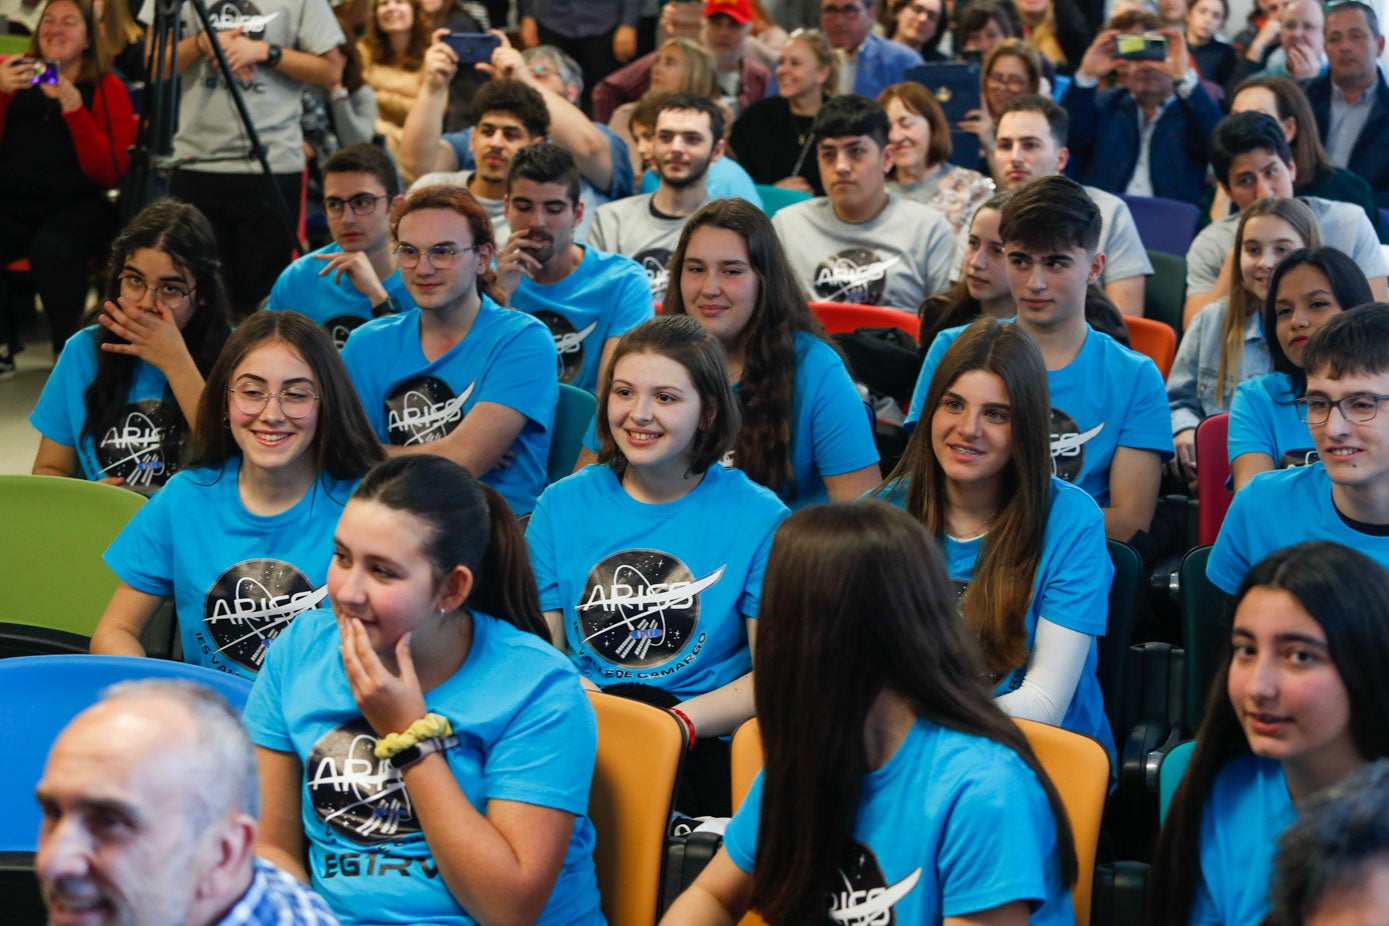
[687, 723]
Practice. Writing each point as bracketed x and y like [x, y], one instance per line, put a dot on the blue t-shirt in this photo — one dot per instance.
[726, 179]
[1070, 589]
[952, 824]
[1277, 509]
[142, 442]
[339, 307]
[527, 733]
[507, 358]
[237, 578]
[1263, 419]
[655, 594]
[1107, 397]
[1247, 809]
[602, 298]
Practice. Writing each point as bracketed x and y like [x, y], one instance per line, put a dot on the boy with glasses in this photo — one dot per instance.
[354, 279]
[1345, 497]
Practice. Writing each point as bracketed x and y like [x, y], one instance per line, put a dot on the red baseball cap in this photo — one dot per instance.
[739, 11]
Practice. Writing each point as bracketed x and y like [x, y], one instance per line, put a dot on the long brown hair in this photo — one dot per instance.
[1242, 303]
[376, 47]
[995, 609]
[91, 58]
[766, 390]
[1308, 153]
[856, 601]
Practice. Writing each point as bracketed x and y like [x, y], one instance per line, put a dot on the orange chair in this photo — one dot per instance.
[639, 753]
[1155, 339]
[1212, 473]
[1078, 767]
[846, 317]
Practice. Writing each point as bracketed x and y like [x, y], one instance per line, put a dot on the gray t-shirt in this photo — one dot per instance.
[209, 126]
[633, 227]
[1123, 249]
[897, 258]
[1344, 226]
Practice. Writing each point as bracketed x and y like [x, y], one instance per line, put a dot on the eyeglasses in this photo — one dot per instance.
[854, 10]
[440, 256]
[1359, 408]
[252, 400]
[168, 295]
[362, 203]
[1006, 81]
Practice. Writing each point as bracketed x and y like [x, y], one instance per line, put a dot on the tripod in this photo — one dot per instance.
[152, 161]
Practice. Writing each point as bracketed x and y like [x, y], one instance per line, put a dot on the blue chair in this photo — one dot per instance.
[1164, 224]
[775, 198]
[573, 412]
[43, 693]
[1170, 775]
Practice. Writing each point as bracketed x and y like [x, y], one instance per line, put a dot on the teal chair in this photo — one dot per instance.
[573, 412]
[1170, 775]
[775, 198]
[54, 580]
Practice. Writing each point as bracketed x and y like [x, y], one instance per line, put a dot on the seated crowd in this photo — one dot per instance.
[352, 491]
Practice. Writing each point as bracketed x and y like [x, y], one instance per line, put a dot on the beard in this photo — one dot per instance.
[698, 168]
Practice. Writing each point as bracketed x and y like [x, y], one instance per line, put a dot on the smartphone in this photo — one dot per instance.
[972, 56]
[1140, 47]
[44, 72]
[472, 47]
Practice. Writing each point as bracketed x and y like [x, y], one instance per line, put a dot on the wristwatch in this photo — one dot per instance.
[412, 754]
[272, 57]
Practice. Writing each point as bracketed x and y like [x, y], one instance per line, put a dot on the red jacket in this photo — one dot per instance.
[110, 106]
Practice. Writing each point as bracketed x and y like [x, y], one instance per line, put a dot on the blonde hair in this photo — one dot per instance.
[825, 56]
[701, 71]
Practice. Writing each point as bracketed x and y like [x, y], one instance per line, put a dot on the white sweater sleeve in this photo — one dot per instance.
[1053, 670]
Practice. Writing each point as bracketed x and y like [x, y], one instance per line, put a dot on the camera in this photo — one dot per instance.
[1140, 47]
[44, 72]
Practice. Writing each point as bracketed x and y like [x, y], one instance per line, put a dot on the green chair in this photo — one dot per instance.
[1170, 774]
[56, 530]
[573, 412]
[1205, 633]
[775, 198]
[1165, 292]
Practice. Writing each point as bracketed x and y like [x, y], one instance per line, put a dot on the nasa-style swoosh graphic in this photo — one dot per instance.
[878, 904]
[1070, 444]
[654, 602]
[571, 341]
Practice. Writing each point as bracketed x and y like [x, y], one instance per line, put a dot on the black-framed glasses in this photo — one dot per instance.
[295, 402]
[440, 256]
[1358, 407]
[168, 295]
[361, 204]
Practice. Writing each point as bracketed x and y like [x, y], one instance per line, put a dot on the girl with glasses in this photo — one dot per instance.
[115, 407]
[1012, 69]
[241, 540]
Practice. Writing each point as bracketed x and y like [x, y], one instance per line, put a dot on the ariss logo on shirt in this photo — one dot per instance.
[358, 795]
[853, 275]
[569, 343]
[656, 263]
[422, 410]
[141, 443]
[246, 16]
[1068, 445]
[340, 326]
[251, 603]
[864, 898]
[640, 607]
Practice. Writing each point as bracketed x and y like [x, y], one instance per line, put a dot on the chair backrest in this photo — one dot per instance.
[1164, 295]
[54, 576]
[43, 693]
[1114, 645]
[1154, 339]
[573, 412]
[639, 752]
[775, 198]
[847, 317]
[1077, 765]
[1212, 472]
[1164, 224]
[1170, 774]
[1205, 628]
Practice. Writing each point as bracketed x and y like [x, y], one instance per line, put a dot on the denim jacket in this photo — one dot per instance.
[1191, 384]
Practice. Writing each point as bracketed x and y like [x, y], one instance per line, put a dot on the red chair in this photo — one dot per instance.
[1154, 339]
[1212, 477]
[846, 317]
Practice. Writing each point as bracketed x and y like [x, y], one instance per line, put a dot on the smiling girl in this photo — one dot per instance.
[1309, 288]
[977, 475]
[1226, 342]
[240, 540]
[421, 745]
[1298, 706]
[650, 564]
